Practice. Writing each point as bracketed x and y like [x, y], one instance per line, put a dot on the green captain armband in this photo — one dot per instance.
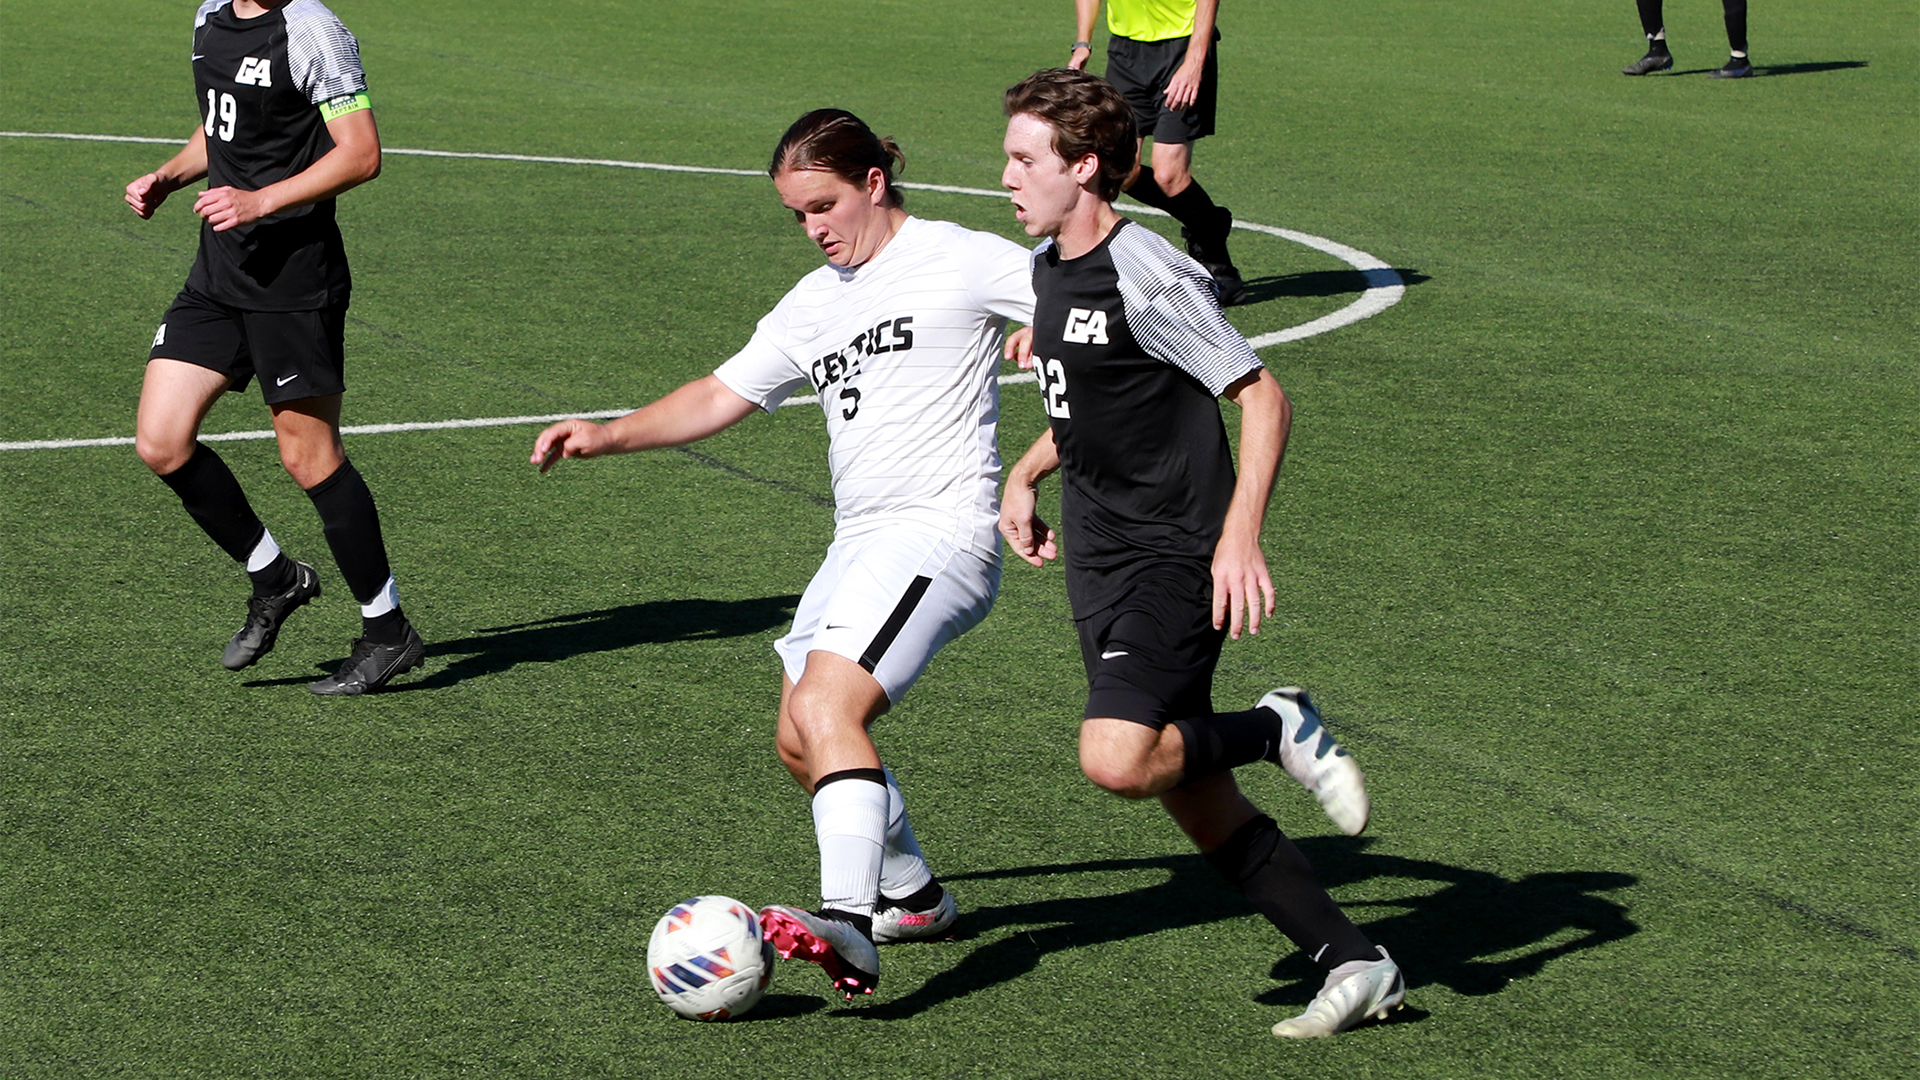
[334, 108]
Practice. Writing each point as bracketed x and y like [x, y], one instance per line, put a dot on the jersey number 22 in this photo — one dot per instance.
[1053, 386]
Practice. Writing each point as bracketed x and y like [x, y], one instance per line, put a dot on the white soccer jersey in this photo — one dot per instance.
[902, 351]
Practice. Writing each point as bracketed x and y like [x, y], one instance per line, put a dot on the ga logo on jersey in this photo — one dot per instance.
[254, 72]
[1086, 327]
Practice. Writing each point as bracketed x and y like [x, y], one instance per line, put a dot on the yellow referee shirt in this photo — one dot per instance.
[1150, 20]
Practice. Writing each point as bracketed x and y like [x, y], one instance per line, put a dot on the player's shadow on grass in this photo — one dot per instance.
[493, 650]
[1324, 283]
[1474, 933]
[1761, 71]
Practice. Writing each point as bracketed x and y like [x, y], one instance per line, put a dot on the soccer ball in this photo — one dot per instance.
[707, 959]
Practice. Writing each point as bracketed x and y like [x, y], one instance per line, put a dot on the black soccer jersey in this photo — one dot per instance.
[1132, 353]
[266, 87]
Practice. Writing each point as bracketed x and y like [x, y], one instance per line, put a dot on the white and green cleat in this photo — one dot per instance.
[1354, 991]
[1310, 755]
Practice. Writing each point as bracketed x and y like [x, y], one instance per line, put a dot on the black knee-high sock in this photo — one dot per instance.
[1225, 741]
[1277, 880]
[1650, 18]
[352, 526]
[1736, 14]
[1147, 190]
[1193, 207]
[213, 498]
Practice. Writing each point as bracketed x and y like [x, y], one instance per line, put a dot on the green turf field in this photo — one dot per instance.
[1599, 549]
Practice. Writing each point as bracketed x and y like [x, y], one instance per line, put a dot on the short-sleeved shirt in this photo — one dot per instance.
[1150, 20]
[902, 351]
[1133, 353]
[263, 84]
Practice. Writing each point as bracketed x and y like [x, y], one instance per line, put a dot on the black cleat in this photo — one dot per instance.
[1210, 251]
[371, 664]
[1738, 67]
[266, 614]
[1226, 279]
[1650, 63]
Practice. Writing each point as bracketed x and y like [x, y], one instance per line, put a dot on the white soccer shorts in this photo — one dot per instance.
[887, 599]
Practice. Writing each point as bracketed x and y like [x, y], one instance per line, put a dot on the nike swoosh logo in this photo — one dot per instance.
[288, 379]
[199, 56]
[1113, 653]
[835, 626]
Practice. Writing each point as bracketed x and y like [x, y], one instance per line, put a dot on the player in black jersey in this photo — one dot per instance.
[286, 127]
[1162, 537]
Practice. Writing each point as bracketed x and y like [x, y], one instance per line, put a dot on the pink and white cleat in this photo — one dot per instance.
[849, 958]
[892, 924]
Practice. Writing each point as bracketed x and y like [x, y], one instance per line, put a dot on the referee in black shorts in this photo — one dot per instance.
[286, 125]
[1163, 58]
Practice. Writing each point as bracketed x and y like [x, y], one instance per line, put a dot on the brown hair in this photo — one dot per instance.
[838, 142]
[1088, 116]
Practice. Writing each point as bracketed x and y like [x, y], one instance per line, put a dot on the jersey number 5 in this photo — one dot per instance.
[1053, 386]
[221, 107]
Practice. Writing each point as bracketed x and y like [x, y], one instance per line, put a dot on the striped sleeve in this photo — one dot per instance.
[1174, 312]
[323, 54]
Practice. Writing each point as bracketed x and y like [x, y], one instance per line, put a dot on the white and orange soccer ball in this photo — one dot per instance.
[707, 960]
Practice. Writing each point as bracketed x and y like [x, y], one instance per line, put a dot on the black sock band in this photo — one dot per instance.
[352, 527]
[926, 898]
[213, 498]
[1225, 741]
[878, 776]
[1279, 882]
[862, 923]
[274, 578]
[387, 629]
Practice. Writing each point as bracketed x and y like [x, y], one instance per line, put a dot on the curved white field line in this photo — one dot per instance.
[1384, 286]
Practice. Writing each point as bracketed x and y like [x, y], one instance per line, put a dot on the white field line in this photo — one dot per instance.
[1384, 286]
[419, 425]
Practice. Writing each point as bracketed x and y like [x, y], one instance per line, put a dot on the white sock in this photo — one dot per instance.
[903, 870]
[850, 821]
[263, 553]
[383, 601]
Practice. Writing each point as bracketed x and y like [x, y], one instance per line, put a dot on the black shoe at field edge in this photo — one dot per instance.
[1648, 64]
[371, 664]
[1738, 67]
[265, 616]
[1211, 252]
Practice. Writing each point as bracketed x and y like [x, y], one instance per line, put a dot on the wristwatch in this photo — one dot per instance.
[1087, 45]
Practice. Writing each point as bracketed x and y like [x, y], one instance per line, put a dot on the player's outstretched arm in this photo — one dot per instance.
[1026, 534]
[354, 160]
[693, 412]
[147, 193]
[1242, 587]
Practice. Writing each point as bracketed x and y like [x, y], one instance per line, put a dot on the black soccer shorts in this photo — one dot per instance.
[1150, 657]
[296, 354]
[1140, 70]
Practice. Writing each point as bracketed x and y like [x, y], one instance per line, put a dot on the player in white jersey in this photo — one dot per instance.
[899, 334]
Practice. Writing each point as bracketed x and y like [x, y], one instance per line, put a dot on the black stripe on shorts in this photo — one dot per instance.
[902, 611]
